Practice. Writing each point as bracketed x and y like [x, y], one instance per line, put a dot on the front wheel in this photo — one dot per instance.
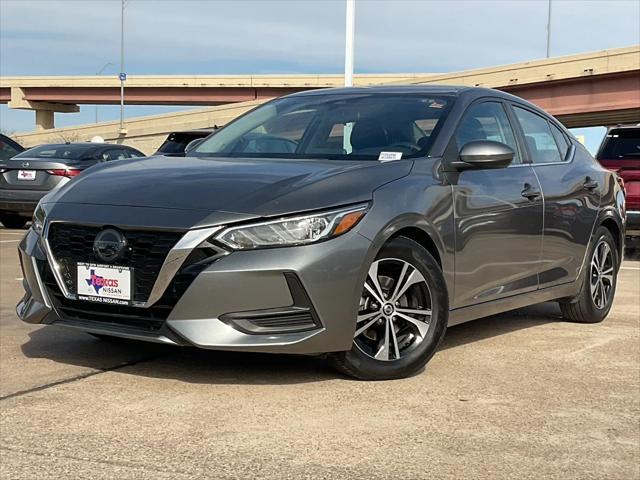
[402, 316]
[594, 301]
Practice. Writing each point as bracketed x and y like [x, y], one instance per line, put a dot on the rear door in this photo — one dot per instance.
[571, 195]
[498, 215]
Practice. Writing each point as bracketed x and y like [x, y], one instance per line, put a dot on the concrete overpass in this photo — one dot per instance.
[597, 88]
[47, 95]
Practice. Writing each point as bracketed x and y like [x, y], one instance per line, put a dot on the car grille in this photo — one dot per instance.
[146, 252]
[149, 319]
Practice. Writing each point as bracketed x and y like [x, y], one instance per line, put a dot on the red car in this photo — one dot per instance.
[620, 152]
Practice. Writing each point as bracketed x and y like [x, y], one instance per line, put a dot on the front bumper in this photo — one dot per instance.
[23, 202]
[258, 300]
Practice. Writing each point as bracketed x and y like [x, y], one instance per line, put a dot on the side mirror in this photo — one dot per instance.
[484, 154]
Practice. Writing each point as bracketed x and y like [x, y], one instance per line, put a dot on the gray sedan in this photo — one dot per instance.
[28, 176]
[354, 223]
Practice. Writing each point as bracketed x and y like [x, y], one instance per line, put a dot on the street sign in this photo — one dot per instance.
[123, 77]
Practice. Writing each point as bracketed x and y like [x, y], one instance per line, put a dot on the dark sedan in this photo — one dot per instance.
[28, 176]
[357, 223]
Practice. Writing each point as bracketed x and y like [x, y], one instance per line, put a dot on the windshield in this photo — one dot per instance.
[59, 152]
[361, 126]
[621, 144]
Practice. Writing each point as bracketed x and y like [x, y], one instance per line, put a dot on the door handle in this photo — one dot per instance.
[530, 193]
[590, 184]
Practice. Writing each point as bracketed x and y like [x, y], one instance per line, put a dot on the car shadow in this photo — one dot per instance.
[192, 365]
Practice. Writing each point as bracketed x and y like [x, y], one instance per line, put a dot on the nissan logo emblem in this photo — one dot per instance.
[109, 245]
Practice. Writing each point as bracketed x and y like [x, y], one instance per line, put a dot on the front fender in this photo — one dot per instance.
[418, 201]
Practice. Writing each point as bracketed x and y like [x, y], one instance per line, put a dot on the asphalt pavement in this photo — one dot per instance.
[518, 395]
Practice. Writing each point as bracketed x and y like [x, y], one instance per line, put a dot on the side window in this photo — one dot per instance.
[114, 154]
[133, 154]
[561, 140]
[486, 121]
[540, 140]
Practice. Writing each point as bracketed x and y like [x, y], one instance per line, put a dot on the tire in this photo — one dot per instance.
[11, 220]
[589, 306]
[386, 344]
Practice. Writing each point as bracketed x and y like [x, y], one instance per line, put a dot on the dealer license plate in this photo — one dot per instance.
[26, 174]
[104, 283]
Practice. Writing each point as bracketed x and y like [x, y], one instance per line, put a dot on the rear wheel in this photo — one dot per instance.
[402, 315]
[11, 220]
[594, 301]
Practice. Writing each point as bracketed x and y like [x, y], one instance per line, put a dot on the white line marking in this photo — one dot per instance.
[629, 268]
[19, 279]
[9, 241]
[2, 232]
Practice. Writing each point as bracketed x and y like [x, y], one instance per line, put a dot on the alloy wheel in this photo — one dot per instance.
[601, 275]
[395, 310]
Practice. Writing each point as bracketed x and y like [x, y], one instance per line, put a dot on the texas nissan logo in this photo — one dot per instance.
[109, 245]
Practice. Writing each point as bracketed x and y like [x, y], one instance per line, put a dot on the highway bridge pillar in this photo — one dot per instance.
[44, 110]
[44, 119]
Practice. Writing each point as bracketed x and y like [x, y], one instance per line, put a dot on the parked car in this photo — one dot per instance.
[178, 143]
[620, 153]
[357, 223]
[28, 176]
[9, 148]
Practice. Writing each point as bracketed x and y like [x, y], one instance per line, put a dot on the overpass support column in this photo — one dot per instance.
[44, 110]
[44, 120]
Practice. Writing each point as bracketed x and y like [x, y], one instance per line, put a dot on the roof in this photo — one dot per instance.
[388, 89]
[84, 144]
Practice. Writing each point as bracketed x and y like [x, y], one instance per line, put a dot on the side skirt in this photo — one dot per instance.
[473, 312]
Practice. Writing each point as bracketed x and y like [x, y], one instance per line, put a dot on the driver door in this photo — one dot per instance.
[498, 215]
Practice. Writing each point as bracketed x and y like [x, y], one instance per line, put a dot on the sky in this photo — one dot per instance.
[78, 37]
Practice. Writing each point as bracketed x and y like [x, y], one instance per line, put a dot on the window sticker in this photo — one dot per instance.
[389, 156]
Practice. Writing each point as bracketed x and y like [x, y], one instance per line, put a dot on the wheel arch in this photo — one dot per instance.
[415, 227]
[421, 237]
[610, 219]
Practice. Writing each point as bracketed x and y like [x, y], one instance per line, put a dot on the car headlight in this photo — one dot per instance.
[298, 230]
[37, 223]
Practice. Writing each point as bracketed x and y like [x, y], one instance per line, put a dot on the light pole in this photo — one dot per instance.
[549, 29]
[348, 44]
[348, 66]
[104, 67]
[122, 75]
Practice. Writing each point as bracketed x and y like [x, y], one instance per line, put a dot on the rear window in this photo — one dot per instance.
[58, 152]
[621, 144]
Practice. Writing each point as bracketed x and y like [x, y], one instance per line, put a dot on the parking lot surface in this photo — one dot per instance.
[517, 395]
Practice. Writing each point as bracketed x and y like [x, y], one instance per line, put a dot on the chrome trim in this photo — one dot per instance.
[174, 260]
[569, 157]
[172, 263]
[43, 291]
[55, 268]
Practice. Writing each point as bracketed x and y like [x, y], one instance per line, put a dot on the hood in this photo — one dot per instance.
[256, 187]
